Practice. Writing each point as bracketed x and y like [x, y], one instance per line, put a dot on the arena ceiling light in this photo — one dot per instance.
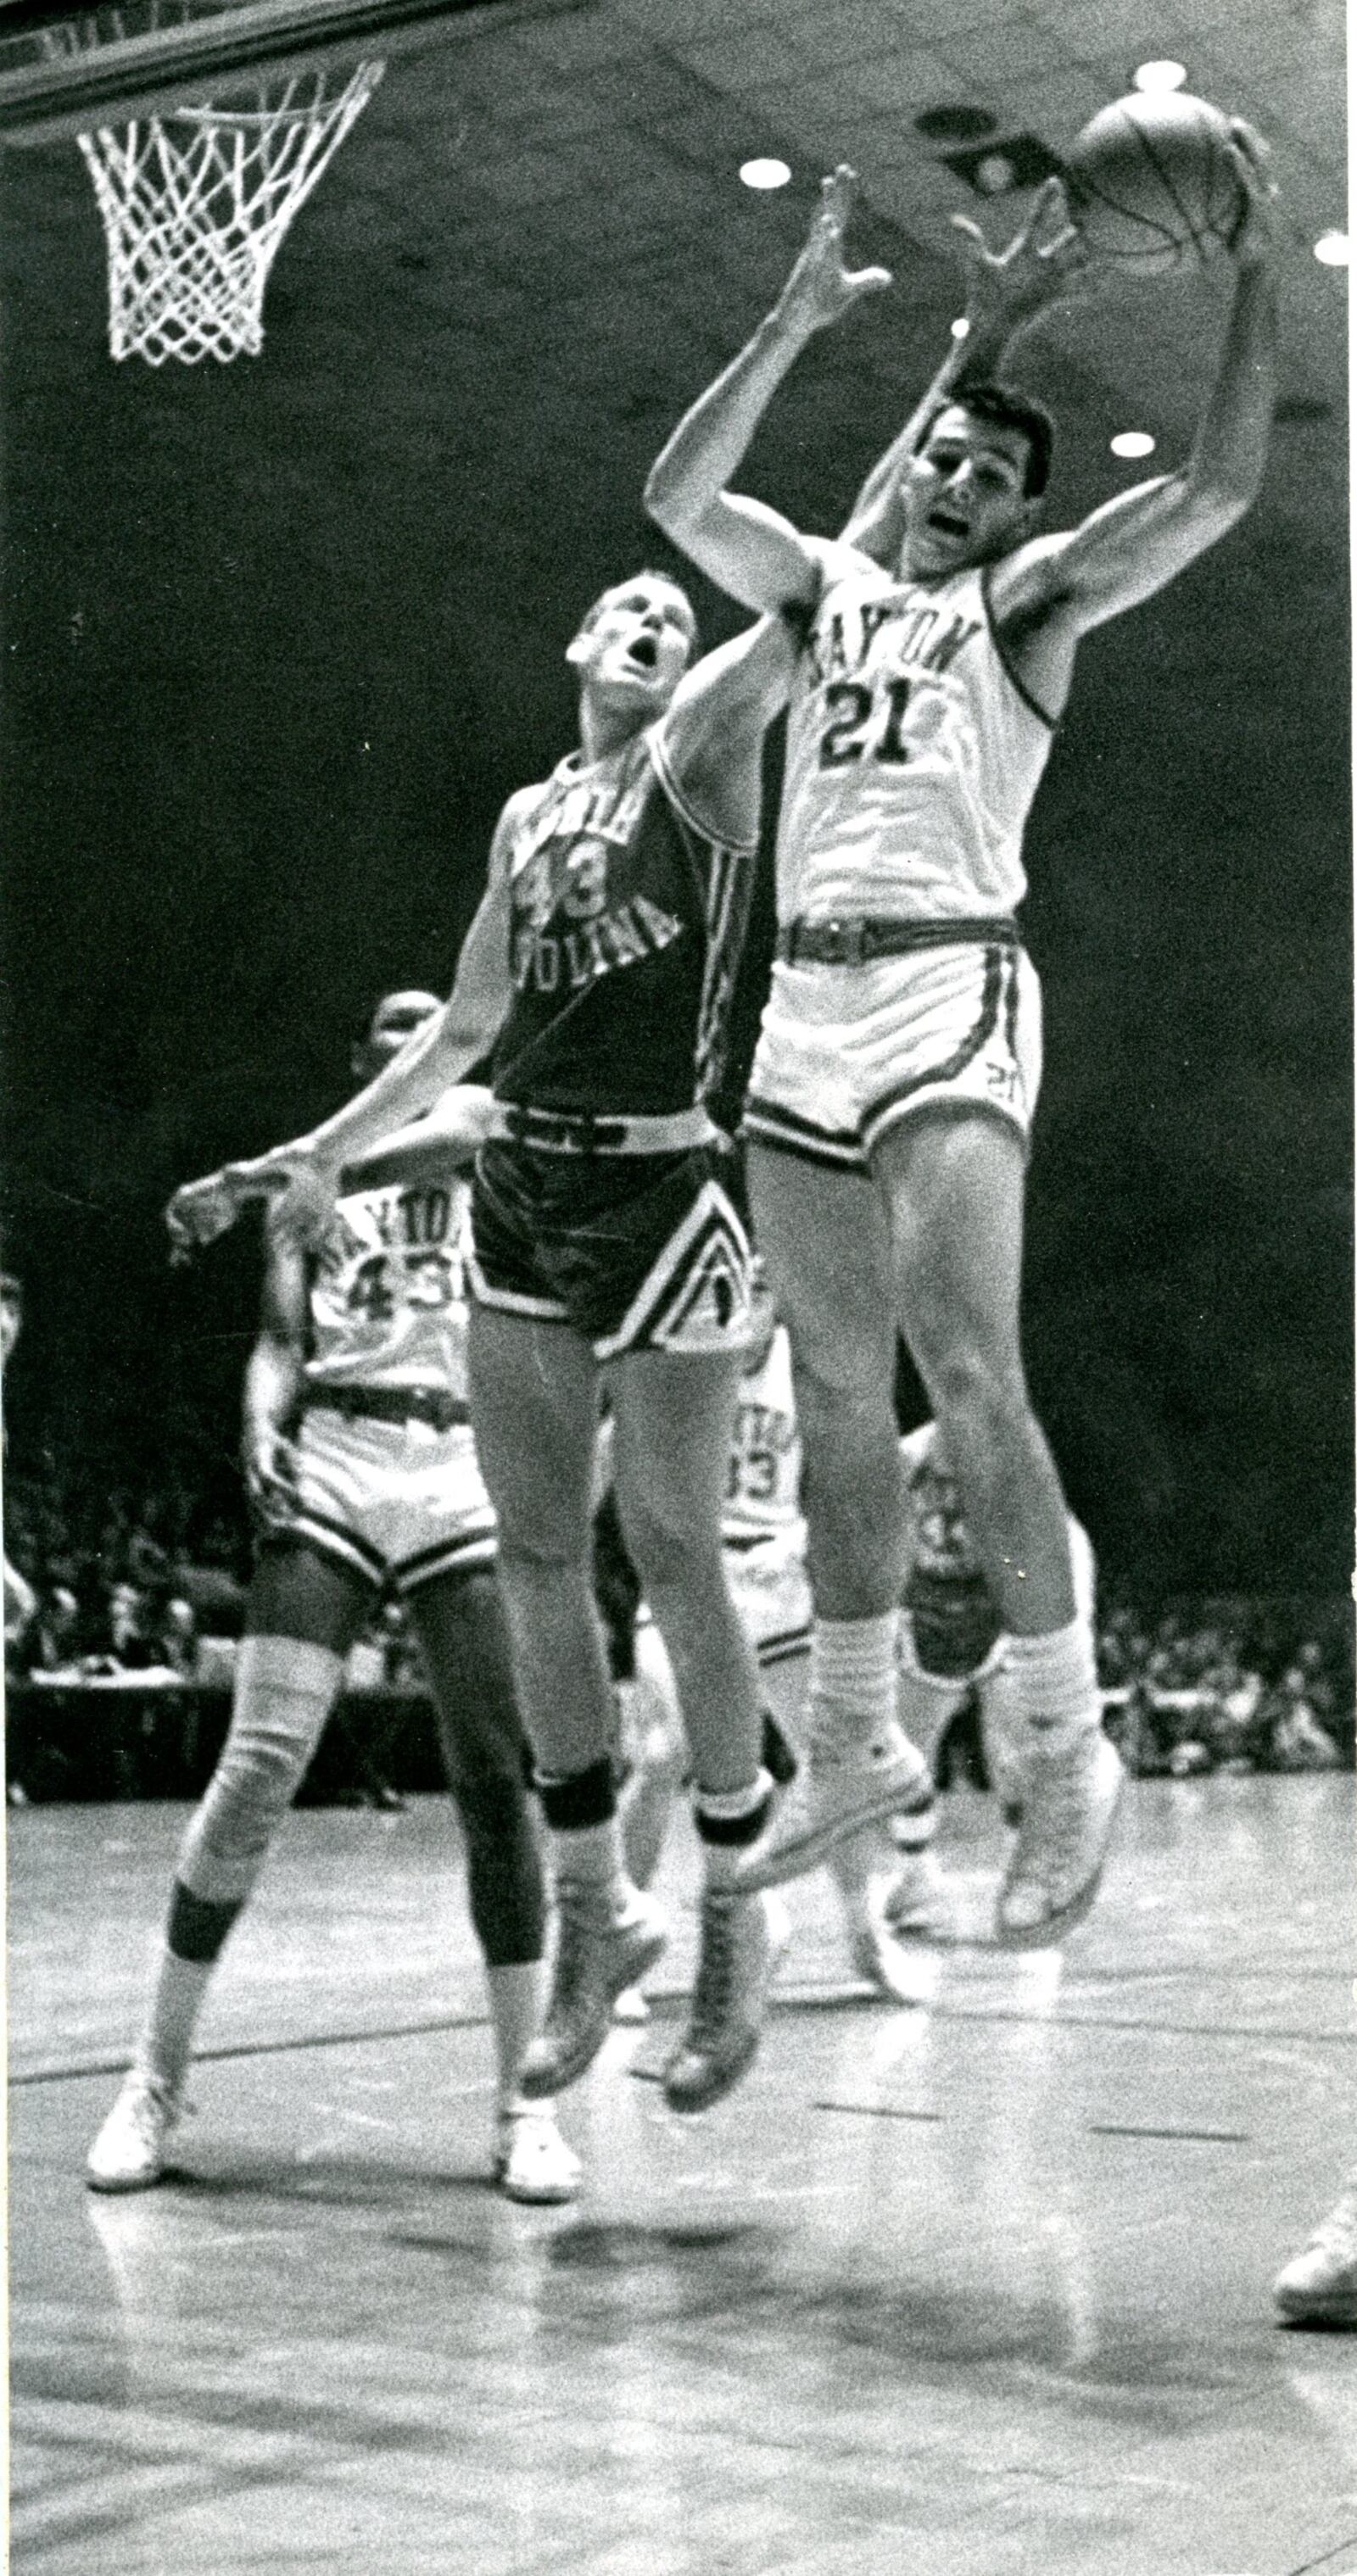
[1331, 250]
[1132, 442]
[1154, 76]
[764, 173]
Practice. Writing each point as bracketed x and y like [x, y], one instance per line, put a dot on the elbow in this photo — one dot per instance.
[664, 502]
[1221, 497]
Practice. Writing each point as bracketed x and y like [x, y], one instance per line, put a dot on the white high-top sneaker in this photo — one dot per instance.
[597, 1958]
[531, 2160]
[837, 1790]
[743, 1938]
[129, 2151]
[1070, 1796]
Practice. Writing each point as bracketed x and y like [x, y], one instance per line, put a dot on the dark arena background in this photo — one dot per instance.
[280, 637]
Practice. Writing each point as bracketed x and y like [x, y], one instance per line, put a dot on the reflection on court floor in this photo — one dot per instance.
[975, 2287]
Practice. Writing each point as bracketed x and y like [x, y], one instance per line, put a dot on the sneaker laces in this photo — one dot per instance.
[1052, 1826]
[580, 1915]
[717, 1969]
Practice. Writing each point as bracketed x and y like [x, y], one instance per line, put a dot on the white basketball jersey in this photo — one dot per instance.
[913, 756]
[763, 1489]
[388, 1302]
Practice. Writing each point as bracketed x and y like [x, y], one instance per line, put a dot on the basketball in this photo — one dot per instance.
[1152, 183]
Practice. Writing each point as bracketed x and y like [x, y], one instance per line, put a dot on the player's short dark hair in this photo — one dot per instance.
[987, 399]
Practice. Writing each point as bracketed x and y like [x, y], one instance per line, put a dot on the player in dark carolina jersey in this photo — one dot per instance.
[608, 1257]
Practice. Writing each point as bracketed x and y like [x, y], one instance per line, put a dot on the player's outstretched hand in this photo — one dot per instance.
[820, 288]
[1255, 234]
[1047, 262]
[202, 1210]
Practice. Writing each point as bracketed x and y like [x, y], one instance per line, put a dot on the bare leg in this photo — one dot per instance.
[534, 1392]
[955, 1188]
[535, 1398]
[672, 1433]
[305, 1611]
[826, 1241]
[955, 1191]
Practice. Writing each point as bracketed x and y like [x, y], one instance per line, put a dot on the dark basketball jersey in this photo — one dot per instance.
[626, 928]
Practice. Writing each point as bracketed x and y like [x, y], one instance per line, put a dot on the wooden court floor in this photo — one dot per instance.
[966, 2289]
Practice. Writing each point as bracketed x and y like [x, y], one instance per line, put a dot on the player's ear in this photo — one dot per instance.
[579, 647]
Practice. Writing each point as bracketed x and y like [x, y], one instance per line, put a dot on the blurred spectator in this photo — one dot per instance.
[1298, 1740]
[53, 1642]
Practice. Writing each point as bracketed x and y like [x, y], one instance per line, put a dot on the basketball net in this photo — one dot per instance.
[195, 203]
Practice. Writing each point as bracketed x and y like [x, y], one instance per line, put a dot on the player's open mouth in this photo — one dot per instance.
[644, 650]
[946, 525]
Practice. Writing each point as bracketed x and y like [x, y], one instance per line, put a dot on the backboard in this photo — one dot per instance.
[65, 71]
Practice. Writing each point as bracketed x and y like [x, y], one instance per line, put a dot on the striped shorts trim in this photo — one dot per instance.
[846, 1054]
[397, 1504]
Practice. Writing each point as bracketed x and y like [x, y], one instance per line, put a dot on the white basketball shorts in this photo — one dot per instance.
[846, 1052]
[397, 1502]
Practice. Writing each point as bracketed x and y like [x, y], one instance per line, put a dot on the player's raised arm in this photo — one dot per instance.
[748, 549]
[299, 1176]
[711, 739]
[1132, 546]
[1007, 291]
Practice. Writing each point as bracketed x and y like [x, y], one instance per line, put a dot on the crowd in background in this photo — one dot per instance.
[152, 1581]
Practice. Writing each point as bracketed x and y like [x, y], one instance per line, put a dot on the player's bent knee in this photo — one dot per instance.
[285, 1689]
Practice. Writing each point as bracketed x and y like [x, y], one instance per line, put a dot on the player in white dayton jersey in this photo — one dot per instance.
[360, 1465]
[609, 1261]
[900, 1051]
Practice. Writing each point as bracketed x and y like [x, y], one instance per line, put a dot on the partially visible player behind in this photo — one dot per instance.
[951, 1645]
[364, 1480]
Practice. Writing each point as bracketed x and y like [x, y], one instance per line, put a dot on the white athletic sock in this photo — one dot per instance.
[166, 2041]
[852, 1699]
[592, 1856]
[515, 1992]
[1051, 1692]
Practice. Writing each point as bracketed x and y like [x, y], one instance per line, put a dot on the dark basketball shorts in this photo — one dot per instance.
[634, 1252]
